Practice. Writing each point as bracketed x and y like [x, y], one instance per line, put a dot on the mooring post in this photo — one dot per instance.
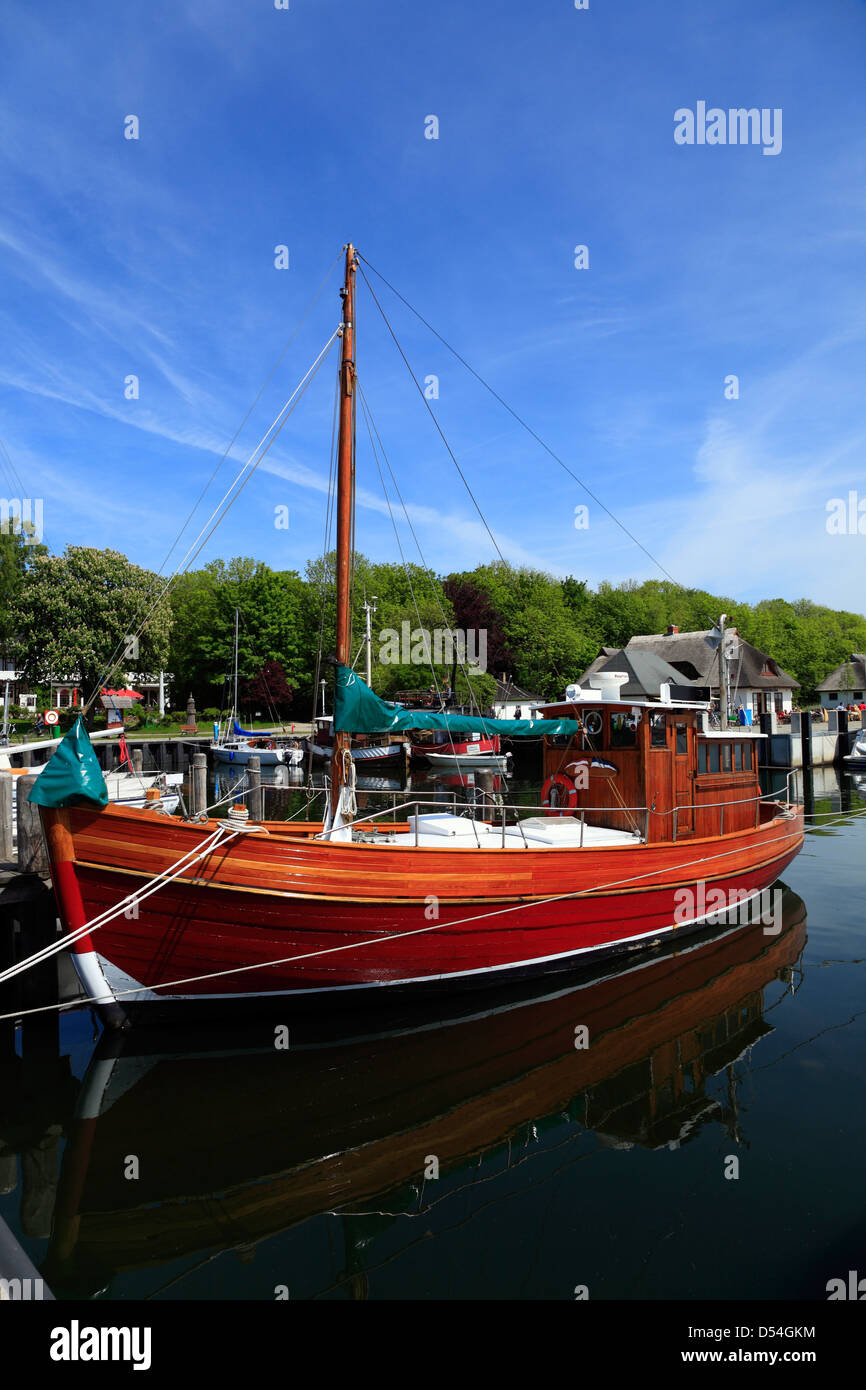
[138, 761]
[199, 782]
[254, 801]
[32, 851]
[6, 847]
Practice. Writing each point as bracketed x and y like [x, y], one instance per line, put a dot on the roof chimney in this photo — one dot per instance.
[672, 628]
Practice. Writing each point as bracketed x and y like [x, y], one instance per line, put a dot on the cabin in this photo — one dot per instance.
[653, 768]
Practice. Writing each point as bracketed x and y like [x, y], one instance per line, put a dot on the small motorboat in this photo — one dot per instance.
[271, 749]
[857, 756]
[486, 762]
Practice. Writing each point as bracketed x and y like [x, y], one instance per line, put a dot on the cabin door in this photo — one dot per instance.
[684, 783]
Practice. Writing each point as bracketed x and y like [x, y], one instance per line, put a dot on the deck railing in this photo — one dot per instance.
[504, 809]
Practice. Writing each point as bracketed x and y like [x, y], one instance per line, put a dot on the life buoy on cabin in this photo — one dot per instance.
[558, 795]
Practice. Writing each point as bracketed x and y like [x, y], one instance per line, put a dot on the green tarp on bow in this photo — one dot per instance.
[72, 772]
[358, 710]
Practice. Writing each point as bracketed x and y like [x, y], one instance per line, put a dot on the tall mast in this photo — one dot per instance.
[345, 498]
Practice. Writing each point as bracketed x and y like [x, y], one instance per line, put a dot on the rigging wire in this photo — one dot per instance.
[523, 423]
[325, 571]
[432, 415]
[261, 392]
[364, 408]
[226, 502]
[234, 437]
[473, 701]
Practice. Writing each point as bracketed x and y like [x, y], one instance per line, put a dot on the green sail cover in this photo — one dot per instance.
[357, 710]
[71, 773]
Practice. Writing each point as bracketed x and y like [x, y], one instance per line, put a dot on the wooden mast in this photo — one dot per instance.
[345, 499]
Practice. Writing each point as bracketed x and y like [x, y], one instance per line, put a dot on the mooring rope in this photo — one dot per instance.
[168, 875]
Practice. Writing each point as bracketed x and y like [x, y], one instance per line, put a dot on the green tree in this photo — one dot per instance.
[73, 610]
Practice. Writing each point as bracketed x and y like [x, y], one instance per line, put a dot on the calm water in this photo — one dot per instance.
[558, 1167]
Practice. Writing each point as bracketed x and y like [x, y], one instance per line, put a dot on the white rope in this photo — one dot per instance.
[376, 941]
[159, 881]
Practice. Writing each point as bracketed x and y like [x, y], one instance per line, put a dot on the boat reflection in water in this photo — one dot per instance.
[237, 1139]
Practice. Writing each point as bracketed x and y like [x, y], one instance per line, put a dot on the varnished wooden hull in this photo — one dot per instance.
[283, 913]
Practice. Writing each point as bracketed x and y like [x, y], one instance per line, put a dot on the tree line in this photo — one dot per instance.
[65, 616]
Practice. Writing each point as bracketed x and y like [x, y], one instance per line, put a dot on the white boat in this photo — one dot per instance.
[124, 788]
[236, 746]
[266, 747]
[857, 756]
[486, 762]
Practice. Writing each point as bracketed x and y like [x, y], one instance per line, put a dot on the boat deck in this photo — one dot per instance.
[446, 831]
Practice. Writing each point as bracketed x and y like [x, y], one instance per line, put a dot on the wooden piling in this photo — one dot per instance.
[138, 760]
[199, 782]
[6, 847]
[254, 779]
[32, 851]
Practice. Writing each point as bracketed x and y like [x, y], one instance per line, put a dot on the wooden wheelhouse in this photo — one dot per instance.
[654, 768]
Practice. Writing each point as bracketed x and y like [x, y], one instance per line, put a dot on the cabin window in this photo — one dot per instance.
[623, 731]
[593, 723]
[702, 757]
[738, 757]
[658, 731]
[682, 739]
[726, 757]
[714, 757]
[560, 741]
[747, 757]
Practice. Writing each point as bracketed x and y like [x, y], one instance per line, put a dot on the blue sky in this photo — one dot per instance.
[260, 127]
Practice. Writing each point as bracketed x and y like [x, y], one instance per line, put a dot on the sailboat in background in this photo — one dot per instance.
[236, 746]
[199, 911]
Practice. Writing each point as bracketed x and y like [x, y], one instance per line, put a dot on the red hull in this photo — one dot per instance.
[185, 931]
[290, 914]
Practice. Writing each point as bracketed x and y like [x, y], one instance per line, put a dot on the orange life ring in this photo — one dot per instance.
[566, 797]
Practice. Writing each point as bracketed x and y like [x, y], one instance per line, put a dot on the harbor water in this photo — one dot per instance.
[684, 1124]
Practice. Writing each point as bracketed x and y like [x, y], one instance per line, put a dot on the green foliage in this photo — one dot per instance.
[273, 626]
[72, 611]
[15, 559]
[542, 632]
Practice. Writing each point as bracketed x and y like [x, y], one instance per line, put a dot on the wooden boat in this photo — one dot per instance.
[363, 750]
[645, 808]
[343, 1118]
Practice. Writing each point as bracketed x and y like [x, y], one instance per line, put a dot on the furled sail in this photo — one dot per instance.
[358, 710]
[72, 773]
